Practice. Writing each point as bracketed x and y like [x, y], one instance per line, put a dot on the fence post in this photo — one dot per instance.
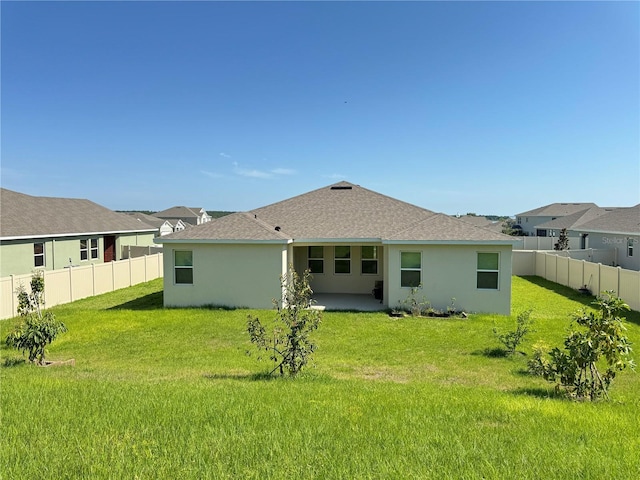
[130, 272]
[14, 310]
[70, 284]
[113, 276]
[93, 279]
[619, 280]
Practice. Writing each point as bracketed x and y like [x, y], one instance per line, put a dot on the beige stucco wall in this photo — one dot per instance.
[450, 271]
[330, 282]
[227, 275]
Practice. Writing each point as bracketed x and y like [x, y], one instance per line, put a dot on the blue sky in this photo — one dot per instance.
[486, 107]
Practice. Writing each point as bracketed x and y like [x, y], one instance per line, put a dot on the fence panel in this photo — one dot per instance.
[592, 277]
[608, 279]
[630, 288]
[81, 282]
[576, 274]
[562, 270]
[523, 262]
[69, 284]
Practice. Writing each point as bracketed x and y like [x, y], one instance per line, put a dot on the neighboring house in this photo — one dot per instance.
[188, 215]
[618, 229]
[571, 223]
[52, 233]
[164, 227]
[484, 222]
[530, 221]
[352, 239]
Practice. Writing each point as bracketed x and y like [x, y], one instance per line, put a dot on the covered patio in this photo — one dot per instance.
[348, 302]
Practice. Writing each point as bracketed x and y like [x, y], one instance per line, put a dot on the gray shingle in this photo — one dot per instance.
[340, 211]
[26, 216]
[621, 220]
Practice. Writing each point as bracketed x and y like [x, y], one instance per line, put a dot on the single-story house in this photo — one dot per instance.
[531, 220]
[353, 240]
[618, 229]
[52, 233]
[164, 227]
[187, 215]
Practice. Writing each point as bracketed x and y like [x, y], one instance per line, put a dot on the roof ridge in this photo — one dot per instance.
[266, 226]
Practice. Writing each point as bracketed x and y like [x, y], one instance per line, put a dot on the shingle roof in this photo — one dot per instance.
[340, 211]
[240, 226]
[26, 216]
[576, 219]
[147, 219]
[557, 210]
[177, 212]
[624, 220]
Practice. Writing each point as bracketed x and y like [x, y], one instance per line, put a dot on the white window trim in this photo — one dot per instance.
[630, 245]
[362, 260]
[183, 267]
[478, 270]
[35, 255]
[335, 259]
[85, 249]
[92, 249]
[309, 258]
[411, 269]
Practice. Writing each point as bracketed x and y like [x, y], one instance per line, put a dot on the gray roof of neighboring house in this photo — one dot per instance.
[340, 211]
[26, 216]
[147, 219]
[484, 222]
[625, 220]
[576, 219]
[178, 212]
[557, 210]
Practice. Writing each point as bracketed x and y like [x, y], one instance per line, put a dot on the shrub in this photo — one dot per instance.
[511, 340]
[289, 344]
[38, 328]
[576, 368]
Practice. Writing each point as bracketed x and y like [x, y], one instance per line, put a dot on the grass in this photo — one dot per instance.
[168, 393]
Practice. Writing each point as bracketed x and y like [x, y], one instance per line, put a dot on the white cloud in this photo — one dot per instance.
[212, 174]
[283, 171]
[225, 155]
[251, 173]
[335, 176]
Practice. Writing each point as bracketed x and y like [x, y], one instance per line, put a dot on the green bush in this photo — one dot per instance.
[511, 340]
[577, 367]
[289, 344]
[37, 328]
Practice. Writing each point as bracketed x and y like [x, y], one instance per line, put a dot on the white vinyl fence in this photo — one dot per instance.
[543, 243]
[74, 283]
[580, 273]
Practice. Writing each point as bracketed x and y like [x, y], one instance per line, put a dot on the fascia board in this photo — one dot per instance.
[608, 232]
[449, 242]
[219, 241]
[351, 241]
[79, 234]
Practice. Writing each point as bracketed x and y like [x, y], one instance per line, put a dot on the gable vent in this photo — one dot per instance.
[341, 187]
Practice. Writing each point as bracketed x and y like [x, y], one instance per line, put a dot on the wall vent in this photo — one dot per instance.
[341, 187]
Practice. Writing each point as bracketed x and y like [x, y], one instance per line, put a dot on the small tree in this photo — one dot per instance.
[511, 340]
[576, 368]
[38, 328]
[289, 344]
[563, 241]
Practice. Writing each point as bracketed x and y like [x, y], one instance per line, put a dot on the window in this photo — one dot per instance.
[316, 259]
[84, 250]
[630, 247]
[487, 274]
[38, 254]
[94, 248]
[541, 233]
[342, 259]
[369, 259]
[410, 269]
[183, 266]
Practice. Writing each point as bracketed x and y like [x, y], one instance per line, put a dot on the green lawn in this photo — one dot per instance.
[172, 394]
